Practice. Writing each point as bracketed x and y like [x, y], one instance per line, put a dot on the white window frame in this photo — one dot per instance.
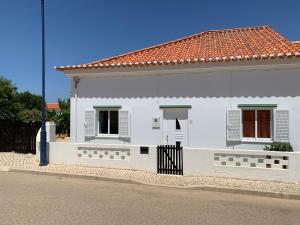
[257, 139]
[108, 121]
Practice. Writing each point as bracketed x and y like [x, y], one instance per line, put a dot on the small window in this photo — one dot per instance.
[109, 122]
[177, 125]
[114, 122]
[257, 123]
[103, 122]
[249, 123]
[264, 123]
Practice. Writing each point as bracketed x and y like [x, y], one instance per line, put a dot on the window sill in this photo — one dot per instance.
[107, 136]
[253, 140]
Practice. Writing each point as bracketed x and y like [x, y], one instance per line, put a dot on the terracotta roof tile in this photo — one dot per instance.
[215, 45]
[296, 44]
[52, 106]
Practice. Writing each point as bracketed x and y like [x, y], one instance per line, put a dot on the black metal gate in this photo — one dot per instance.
[18, 136]
[170, 159]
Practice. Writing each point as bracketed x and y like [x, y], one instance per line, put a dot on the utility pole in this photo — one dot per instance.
[43, 156]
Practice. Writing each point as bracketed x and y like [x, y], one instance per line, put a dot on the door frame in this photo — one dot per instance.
[163, 123]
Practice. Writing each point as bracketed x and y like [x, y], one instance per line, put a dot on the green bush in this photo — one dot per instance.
[279, 147]
[61, 118]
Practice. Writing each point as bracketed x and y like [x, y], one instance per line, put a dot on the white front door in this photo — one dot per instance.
[175, 126]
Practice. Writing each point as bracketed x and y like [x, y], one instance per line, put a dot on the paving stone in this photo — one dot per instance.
[28, 162]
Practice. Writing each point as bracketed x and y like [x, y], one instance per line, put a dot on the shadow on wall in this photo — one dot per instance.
[275, 83]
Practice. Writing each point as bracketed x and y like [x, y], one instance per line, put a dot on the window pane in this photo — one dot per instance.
[177, 124]
[263, 123]
[249, 123]
[114, 122]
[103, 122]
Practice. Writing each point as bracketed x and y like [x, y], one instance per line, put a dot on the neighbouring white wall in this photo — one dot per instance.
[209, 93]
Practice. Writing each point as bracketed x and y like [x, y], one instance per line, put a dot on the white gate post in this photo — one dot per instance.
[51, 134]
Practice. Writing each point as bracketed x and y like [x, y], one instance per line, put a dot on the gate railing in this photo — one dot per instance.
[18, 136]
[169, 159]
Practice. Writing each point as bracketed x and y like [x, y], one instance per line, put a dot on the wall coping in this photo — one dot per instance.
[233, 151]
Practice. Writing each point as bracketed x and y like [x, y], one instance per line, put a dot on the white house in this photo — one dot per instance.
[226, 89]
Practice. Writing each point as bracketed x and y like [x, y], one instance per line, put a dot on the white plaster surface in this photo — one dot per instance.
[209, 94]
[200, 162]
[66, 153]
[196, 162]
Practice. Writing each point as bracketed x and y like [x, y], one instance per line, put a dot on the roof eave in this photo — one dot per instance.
[182, 61]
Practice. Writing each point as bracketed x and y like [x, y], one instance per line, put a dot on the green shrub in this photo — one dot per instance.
[61, 118]
[279, 147]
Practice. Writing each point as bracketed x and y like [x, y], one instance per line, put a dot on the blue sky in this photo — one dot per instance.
[79, 31]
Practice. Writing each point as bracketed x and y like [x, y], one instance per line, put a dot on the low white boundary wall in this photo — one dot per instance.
[244, 164]
[247, 164]
[113, 156]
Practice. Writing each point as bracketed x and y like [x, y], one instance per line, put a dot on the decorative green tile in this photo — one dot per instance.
[245, 159]
[238, 164]
[111, 157]
[252, 165]
[216, 158]
[122, 157]
[223, 163]
[260, 160]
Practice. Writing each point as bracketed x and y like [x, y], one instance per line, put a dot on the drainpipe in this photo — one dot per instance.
[76, 81]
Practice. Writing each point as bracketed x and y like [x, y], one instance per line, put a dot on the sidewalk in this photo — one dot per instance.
[27, 163]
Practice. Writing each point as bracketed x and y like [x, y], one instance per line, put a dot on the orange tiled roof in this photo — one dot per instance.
[52, 106]
[210, 46]
[296, 44]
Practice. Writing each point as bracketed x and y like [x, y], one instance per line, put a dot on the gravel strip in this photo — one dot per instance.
[28, 162]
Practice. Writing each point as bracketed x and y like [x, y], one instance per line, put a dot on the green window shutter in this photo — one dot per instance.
[234, 121]
[124, 124]
[90, 123]
[281, 125]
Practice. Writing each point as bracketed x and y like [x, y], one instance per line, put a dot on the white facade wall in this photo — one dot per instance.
[210, 94]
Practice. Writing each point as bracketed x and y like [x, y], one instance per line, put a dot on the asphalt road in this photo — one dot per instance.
[39, 199]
